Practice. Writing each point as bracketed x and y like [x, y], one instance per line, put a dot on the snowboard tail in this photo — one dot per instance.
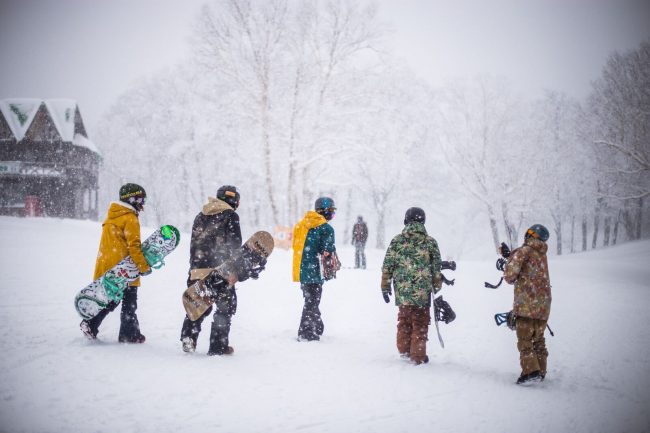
[247, 261]
[110, 287]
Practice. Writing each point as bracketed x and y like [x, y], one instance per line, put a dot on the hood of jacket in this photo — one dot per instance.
[312, 219]
[537, 245]
[414, 230]
[215, 206]
[118, 209]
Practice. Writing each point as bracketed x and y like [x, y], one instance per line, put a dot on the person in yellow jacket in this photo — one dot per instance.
[313, 237]
[121, 238]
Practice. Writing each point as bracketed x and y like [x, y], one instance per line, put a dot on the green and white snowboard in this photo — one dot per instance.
[110, 287]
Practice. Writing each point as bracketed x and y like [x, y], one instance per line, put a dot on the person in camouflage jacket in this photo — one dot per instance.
[412, 264]
[527, 269]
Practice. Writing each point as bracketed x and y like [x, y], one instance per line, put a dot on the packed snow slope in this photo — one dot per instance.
[54, 380]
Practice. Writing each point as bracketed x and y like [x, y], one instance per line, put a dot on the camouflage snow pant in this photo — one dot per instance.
[531, 345]
[412, 331]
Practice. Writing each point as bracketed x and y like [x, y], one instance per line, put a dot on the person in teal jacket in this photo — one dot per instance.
[313, 237]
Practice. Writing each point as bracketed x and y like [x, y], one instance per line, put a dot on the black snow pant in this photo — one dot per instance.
[129, 325]
[225, 307]
[311, 324]
[359, 255]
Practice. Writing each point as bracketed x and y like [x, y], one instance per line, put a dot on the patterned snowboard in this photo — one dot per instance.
[199, 297]
[110, 287]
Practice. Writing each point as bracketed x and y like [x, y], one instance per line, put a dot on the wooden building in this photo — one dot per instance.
[48, 166]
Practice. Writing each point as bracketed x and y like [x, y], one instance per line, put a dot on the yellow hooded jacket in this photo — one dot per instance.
[120, 238]
[300, 230]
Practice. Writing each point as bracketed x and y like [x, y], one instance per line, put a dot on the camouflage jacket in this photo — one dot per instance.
[411, 263]
[527, 268]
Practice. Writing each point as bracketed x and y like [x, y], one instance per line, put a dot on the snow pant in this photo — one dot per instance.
[359, 255]
[129, 325]
[311, 325]
[225, 307]
[531, 345]
[413, 331]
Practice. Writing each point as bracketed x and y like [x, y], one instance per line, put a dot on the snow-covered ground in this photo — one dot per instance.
[54, 380]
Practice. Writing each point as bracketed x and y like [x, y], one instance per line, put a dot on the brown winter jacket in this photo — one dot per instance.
[527, 268]
[120, 238]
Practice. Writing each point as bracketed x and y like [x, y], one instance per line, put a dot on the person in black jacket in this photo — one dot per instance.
[216, 235]
[359, 238]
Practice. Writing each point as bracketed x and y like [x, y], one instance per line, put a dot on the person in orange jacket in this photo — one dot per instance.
[121, 238]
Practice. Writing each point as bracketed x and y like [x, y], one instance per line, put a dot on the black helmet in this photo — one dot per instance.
[229, 194]
[133, 194]
[414, 215]
[538, 231]
[325, 206]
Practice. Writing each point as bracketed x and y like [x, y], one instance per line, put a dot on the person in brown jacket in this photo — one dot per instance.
[121, 238]
[527, 269]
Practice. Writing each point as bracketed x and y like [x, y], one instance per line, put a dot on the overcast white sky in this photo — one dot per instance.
[92, 50]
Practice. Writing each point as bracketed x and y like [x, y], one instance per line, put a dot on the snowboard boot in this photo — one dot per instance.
[529, 378]
[189, 345]
[425, 360]
[227, 351]
[87, 331]
[138, 339]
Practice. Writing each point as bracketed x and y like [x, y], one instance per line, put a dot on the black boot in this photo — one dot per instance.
[530, 377]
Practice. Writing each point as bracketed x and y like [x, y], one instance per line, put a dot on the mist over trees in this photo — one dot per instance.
[291, 100]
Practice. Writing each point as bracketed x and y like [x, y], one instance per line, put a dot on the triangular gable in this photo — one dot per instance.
[62, 112]
[79, 127]
[5, 131]
[19, 114]
[43, 127]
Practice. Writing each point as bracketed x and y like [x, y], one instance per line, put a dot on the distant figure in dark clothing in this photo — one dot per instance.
[359, 238]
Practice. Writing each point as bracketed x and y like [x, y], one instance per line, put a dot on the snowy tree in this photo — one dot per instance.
[620, 109]
[479, 136]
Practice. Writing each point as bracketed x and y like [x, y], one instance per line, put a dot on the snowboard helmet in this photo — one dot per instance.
[133, 194]
[414, 215]
[537, 231]
[325, 206]
[229, 194]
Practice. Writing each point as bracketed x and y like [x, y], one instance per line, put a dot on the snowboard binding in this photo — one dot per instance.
[508, 318]
[442, 311]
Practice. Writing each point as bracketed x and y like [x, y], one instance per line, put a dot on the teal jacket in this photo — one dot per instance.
[319, 239]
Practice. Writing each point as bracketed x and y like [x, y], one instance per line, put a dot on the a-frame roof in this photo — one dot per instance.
[63, 113]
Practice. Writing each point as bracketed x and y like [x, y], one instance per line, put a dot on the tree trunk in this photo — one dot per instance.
[573, 234]
[381, 228]
[608, 226]
[639, 220]
[347, 232]
[584, 233]
[493, 227]
[594, 240]
[558, 235]
[268, 170]
[616, 223]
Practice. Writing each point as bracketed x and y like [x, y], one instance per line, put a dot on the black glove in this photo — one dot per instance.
[255, 271]
[504, 250]
[501, 264]
[386, 296]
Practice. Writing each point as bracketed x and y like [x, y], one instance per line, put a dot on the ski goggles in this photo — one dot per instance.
[531, 233]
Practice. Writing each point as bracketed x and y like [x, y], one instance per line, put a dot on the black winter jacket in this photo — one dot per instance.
[216, 235]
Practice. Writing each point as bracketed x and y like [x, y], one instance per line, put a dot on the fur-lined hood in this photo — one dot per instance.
[215, 206]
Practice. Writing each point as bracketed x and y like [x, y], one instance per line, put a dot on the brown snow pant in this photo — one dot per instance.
[412, 332]
[531, 345]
